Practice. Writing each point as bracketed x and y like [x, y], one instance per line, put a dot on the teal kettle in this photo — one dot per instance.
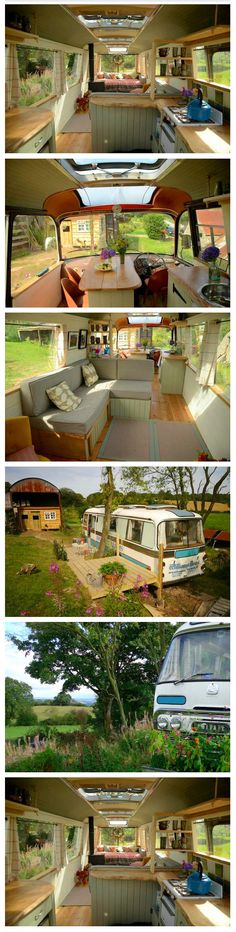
[198, 110]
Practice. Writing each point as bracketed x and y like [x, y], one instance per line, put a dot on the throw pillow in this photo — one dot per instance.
[63, 398]
[90, 375]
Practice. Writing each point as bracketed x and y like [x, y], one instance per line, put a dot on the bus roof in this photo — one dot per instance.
[157, 513]
[199, 625]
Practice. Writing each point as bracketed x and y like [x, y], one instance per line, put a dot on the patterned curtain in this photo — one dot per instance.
[12, 850]
[59, 847]
[59, 74]
[13, 90]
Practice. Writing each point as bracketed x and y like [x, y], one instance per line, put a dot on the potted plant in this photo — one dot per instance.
[112, 572]
[106, 257]
[121, 247]
[82, 103]
[82, 876]
[210, 255]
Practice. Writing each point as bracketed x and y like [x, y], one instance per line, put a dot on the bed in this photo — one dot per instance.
[121, 84]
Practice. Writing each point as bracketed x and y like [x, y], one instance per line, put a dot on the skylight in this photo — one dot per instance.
[96, 197]
[101, 794]
[101, 21]
[149, 319]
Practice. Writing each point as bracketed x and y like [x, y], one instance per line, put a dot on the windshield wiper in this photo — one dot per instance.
[187, 679]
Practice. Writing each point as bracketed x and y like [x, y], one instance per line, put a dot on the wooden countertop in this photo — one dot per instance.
[129, 100]
[206, 138]
[206, 912]
[194, 277]
[120, 277]
[161, 876]
[22, 124]
[24, 895]
[126, 873]
[173, 357]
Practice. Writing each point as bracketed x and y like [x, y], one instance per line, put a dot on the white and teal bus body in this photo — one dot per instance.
[193, 688]
[141, 530]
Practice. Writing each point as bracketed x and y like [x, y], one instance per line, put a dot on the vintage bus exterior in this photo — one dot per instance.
[141, 530]
[193, 688]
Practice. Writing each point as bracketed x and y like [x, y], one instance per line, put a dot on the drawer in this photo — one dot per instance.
[36, 142]
[36, 916]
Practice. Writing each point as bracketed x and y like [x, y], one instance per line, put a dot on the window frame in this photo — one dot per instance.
[210, 822]
[216, 387]
[52, 94]
[210, 49]
[131, 539]
[105, 211]
[193, 222]
[11, 214]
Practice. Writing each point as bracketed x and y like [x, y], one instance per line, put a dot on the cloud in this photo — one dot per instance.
[15, 667]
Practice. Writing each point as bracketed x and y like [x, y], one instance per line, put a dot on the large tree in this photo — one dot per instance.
[202, 484]
[118, 660]
[18, 699]
[108, 490]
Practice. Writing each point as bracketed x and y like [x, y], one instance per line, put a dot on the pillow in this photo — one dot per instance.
[63, 398]
[90, 375]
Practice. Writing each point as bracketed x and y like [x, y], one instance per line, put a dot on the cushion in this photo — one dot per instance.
[135, 369]
[34, 391]
[125, 388]
[106, 367]
[77, 422]
[63, 398]
[90, 375]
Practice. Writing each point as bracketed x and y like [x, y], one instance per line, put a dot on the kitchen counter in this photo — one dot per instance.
[126, 873]
[202, 138]
[161, 876]
[193, 278]
[22, 125]
[23, 896]
[129, 100]
[205, 912]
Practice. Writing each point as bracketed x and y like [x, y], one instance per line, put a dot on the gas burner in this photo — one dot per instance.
[181, 115]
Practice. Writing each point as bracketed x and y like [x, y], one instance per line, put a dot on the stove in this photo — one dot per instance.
[179, 115]
[178, 888]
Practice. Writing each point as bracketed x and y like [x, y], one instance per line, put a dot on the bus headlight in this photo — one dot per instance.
[176, 721]
[163, 721]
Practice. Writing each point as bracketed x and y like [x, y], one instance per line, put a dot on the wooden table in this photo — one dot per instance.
[110, 289]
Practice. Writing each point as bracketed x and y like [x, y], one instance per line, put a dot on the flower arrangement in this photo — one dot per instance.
[210, 254]
[121, 244]
[82, 103]
[106, 256]
[82, 876]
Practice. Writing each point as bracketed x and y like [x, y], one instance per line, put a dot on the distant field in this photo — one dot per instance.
[58, 711]
[218, 521]
[18, 731]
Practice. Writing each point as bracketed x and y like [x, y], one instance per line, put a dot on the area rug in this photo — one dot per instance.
[78, 896]
[78, 123]
[148, 441]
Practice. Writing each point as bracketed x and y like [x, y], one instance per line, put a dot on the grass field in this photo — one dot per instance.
[58, 711]
[18, 731]
[218, 520]
[26, 594]
[27, 358]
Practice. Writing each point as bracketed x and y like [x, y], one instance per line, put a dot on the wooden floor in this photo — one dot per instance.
[82, 567]
[74, 916]
[73, 142]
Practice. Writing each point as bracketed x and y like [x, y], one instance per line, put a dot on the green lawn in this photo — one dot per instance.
[27, 593]
[219, 520]
[216, 578]
[18, 731]
[26, 359]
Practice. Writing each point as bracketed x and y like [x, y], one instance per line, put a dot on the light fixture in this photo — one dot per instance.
[118, 48]
[117, 822]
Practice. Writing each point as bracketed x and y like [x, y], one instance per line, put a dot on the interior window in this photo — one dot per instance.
[213, 837]
[72, 837]
[200, 64]
[36, 841]
[30, 348]
[221, 840]
[220, 62]
[211, 231]
[194, 348]
[118, 65]
[200, 840]
[185, 248]
[135, 530]
[36, 74]
[34, 249]
[72, 65]
[222, 373]
[145, 231]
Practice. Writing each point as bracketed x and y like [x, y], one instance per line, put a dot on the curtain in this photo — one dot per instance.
[147, 838]
[12, 850]
[59, 74]
[59, 847]
[13, 90]
[61, 345]
[84, 79]
[208, 354]
[97, 837]
[142, 838]
[85, 837]
[186, 338]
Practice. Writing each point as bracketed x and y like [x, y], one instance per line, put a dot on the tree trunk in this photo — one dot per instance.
[109, 491]
[107, 715]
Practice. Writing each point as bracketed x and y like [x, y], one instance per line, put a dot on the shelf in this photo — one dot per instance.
[19, 35]
[14, 808]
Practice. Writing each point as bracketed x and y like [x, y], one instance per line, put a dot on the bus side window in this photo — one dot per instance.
[135, 530]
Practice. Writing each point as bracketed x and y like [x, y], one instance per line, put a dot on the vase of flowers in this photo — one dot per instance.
[82, 876]
[82, 103]
[210, 255]
[121, 247]
[106, 257]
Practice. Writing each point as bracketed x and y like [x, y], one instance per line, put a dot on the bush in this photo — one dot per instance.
[110, 569]
[26, 717]
[59, 550]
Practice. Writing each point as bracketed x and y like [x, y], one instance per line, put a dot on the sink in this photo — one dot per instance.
[216, 294]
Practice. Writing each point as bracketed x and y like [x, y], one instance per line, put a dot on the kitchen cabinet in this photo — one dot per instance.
[42, 914]
[30, 903]
[172, 373]
[180, 919]
[179, 295]
[30, 130]
[180, 145]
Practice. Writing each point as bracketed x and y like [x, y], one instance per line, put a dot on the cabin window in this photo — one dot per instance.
[222, 373]
[146, 231]
[211, 232]
[36, 841]
[30, 349]
[34, 249]
[194, 345]
[220, 66]
[200, 63]
[185, 247]
[135, 530]
[184, 533]
[198, 655]
[212, 836]
[36, 74]
[49, 515]
[72, 67]
[72, 840]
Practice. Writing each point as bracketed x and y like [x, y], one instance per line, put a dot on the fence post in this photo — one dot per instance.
[117, 545]
[160, 599]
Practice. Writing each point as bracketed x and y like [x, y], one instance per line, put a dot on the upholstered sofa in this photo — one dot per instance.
[123, 389]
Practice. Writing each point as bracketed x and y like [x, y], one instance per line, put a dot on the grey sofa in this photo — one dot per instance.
[124, 387]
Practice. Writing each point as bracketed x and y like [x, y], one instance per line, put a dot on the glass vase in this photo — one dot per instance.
[122, 258]
[213, 272]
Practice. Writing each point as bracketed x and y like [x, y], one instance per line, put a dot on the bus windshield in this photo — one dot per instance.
[197, 655]
[184, 533]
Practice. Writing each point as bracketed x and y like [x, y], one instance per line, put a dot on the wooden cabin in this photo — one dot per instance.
[117, 80]
[118, 233]
[36, 504]
[133, 839]
[161, 389]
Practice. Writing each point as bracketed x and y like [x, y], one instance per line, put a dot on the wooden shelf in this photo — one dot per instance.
[14, 808]
[19, 35]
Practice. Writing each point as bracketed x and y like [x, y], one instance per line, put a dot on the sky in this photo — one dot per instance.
[16, 663]
[83, 479]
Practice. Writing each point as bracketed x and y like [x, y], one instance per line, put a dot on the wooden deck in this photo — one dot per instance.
[83, 566]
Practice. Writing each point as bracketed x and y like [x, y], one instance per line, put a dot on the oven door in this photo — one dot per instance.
[167, 137]
[167, 910]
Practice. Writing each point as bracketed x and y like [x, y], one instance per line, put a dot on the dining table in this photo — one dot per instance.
[113, 288]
